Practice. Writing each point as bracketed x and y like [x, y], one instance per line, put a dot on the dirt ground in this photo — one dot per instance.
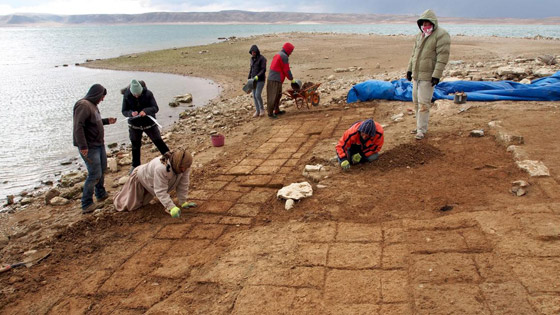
[432, 227]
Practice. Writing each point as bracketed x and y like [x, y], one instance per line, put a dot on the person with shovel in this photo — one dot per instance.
[157, 178]
[140, 107]
[360, 143]
[88, 136]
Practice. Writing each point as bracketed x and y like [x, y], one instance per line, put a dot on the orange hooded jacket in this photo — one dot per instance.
[352, 136]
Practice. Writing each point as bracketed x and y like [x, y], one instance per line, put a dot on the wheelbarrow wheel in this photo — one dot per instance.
[315, 99]
[299, 103]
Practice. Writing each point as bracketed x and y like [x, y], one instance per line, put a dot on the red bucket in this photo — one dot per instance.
[218, 140]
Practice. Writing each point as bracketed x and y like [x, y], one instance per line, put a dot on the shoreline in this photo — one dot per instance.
[240, 241]
[227, 88]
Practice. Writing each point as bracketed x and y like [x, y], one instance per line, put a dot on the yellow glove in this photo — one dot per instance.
[187, 204]
[356, 158]
[175, 212]
[294, 81]
[345, 165]
[256, 78]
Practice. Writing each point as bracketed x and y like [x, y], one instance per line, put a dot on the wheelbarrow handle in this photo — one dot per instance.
[7, 267]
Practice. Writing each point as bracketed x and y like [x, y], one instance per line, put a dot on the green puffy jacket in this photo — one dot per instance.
[430, 54]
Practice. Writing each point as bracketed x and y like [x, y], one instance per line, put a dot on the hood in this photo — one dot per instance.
[428, 15]
[255, 49]
[95, 93]
[288, 48]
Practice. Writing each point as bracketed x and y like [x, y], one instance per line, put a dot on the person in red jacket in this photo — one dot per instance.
[279, 70]
[360, 143]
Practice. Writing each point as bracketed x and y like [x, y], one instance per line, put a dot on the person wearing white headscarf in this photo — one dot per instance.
[158, 178]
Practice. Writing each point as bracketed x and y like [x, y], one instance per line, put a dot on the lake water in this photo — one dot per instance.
[37, 93]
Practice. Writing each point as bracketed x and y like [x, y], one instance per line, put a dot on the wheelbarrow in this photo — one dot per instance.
[305, 96]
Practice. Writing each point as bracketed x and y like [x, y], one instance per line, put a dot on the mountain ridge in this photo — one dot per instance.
[243, 17]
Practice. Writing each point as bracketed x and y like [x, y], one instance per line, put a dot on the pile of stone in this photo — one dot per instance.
[520, 69]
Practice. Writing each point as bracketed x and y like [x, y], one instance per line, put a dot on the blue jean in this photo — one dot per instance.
[257, 97]
[96, 164]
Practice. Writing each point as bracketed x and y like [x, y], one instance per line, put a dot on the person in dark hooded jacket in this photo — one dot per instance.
[279, 71]
[88, 136]
[140, 106]
[257, 73]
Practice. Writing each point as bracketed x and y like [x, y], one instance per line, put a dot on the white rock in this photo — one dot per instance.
[534, 168]
[123, 180]
[511, 70]
[477, 133]
[295, 191]
[451, 79]
[331, 77]
[72, 178]
[187, 98]
[519, 153]
[59, 201]
[525, 81]
[313, 168]
[125, 161]
[520, 183]
[289, 204]
[543, 72]
[397, 117]
[494, 124]
[112, 164]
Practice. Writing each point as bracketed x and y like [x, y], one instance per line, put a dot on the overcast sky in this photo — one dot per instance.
[448, 8]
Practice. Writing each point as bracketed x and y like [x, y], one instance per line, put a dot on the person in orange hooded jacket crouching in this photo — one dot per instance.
[360, 143]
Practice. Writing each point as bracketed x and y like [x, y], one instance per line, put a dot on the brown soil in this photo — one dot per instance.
[429, 228]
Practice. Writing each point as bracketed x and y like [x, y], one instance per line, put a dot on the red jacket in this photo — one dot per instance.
[280, 65]
[352, 136]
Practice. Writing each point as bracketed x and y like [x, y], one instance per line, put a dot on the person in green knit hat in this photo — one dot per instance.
[140, 106]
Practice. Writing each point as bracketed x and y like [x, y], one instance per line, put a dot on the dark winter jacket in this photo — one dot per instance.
[88, 125]
[146, 102]
[258, 65]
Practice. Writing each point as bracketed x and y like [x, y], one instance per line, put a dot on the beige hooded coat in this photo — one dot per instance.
[152, 179]
[430, 53]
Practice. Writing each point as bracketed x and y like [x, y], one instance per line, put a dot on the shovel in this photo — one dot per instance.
[31, 259]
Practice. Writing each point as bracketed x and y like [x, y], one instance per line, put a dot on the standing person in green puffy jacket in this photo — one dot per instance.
[425, 68]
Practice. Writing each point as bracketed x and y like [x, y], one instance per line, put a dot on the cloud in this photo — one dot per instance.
[82, 7]
[472, 8]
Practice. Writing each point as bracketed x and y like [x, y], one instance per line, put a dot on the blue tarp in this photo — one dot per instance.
[543, 89]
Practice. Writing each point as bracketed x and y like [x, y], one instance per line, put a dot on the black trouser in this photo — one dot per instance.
[273, 96]
[136, 140]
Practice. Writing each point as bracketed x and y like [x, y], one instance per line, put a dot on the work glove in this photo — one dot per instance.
[345, 165]
[188, 204]
[256, 78]
[356, 158]
[294, 81]
[435, 81]
[409, 75]
[175, 212]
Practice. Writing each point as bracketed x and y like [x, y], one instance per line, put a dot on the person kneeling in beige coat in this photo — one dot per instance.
[157, 178]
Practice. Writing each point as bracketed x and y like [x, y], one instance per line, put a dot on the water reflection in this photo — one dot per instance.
[37, 119]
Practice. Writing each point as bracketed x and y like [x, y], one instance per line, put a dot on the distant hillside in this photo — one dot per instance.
[238, 17]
